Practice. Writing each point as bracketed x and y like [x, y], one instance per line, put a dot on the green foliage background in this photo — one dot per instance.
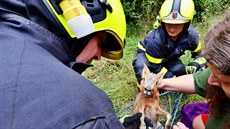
[117, 78]
[142, 13]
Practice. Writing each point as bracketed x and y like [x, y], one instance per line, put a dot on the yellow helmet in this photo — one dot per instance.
[80, 18]
[177, 11]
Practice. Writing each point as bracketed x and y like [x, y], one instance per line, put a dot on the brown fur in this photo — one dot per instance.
[148, 105]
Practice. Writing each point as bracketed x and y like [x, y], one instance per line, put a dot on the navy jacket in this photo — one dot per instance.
[37, 89]
[159, 47]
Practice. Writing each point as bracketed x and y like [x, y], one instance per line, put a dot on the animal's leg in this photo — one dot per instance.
[142, 125]
[152, 114]
[158, 125]
[167, 115]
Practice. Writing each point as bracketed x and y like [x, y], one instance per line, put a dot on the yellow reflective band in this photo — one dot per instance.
[198, 47]
[62, 19]
[72, 8]
[138, 85]
[164, 71]
[153, 60]
[141, 47]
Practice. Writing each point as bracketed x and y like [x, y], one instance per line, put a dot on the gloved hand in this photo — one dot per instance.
[191, 69]
[133, 122]
[197, 65]
[201, 61]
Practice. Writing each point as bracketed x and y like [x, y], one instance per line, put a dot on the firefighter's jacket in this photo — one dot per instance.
[159, 47]
[37, 89]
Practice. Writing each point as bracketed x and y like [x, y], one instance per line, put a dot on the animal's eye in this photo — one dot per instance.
[157, 82]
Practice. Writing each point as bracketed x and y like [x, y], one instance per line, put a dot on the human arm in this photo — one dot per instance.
[183, 84]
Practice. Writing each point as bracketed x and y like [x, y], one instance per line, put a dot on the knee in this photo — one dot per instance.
[198, 123]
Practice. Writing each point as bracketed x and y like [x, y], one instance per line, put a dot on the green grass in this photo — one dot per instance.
[117, 78]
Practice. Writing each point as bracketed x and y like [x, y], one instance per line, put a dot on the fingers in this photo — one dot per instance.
[179, 125]
[161, 84]
[191, 69]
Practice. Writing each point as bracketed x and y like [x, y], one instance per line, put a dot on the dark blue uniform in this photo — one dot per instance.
[37, 89]
[160, 53]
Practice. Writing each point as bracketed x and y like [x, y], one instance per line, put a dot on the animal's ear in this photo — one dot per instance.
[145, 71]
[160, 76]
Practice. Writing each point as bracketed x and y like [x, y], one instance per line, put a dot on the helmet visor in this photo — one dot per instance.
[112, 48]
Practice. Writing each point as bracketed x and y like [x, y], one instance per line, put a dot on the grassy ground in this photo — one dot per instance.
[117, 78]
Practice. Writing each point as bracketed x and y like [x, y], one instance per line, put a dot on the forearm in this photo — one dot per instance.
[183, 84]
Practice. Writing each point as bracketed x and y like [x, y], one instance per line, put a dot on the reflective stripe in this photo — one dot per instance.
[198, 47]
[141, 47]
[138, 85]
[164, 71]
[153, 60]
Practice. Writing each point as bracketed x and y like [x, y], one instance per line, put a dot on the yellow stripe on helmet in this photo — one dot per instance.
[62, 20]
[74, 11]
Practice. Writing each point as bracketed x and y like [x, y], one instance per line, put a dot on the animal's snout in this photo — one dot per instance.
[147, 92]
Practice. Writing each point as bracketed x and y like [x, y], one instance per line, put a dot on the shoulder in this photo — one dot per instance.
[57, 87]
[201, 81]
[193, 37]
[155, 37]
[156, 33]
[192, 33]
[202, 75]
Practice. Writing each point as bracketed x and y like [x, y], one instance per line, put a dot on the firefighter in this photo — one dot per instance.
[165, 44]
[44, 45]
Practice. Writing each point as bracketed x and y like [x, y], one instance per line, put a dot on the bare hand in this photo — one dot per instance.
[179, 125]
[161, 84]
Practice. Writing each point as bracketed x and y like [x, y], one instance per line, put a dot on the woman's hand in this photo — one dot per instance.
[179, 125]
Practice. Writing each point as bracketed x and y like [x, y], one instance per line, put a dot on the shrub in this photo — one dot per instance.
[142, 13]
